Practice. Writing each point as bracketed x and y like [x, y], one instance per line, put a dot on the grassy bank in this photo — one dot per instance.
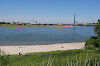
[57, 58]
[15, 25]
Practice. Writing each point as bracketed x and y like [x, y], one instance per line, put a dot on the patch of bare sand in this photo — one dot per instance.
[41, 48]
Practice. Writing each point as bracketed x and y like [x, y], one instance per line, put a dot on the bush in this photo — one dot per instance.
[99, 49]
[90, 47]
[97, 28]
[93, 42]
[4, 59]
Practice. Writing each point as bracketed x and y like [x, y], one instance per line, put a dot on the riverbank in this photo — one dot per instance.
[41, 48]
[15, 25]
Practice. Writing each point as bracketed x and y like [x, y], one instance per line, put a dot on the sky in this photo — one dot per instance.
[49, 11]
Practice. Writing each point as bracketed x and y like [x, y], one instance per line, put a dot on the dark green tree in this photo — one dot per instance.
[94, 42]
[97, 28]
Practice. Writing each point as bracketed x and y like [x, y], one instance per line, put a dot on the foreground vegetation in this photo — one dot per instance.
[55, 58]
[94, 42]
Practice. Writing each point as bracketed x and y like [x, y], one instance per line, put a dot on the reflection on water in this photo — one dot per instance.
[44, 35]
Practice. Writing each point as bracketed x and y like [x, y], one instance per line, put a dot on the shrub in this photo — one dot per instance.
[97, 28]
[93, 41]
[4, 59]
[90, 47]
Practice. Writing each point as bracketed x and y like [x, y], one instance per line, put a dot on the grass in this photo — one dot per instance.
[15, 25]
[57, 58]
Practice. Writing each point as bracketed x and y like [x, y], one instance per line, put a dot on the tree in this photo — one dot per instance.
[97, 28]
[94, 42]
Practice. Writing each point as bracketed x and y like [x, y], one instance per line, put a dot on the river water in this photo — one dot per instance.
[44, 35]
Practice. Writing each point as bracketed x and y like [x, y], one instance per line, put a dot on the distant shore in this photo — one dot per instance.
[15, 25]
[41, 48]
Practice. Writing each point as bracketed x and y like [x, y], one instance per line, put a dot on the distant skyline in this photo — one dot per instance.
[49, 11]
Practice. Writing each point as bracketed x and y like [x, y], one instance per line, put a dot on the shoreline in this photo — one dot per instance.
[39, 26]
[41, 48]
[38, 44]
[42, 25]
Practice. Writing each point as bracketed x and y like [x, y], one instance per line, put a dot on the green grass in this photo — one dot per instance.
[15, 25]
[57, 58]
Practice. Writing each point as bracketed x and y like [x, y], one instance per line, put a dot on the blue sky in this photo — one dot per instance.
[49, 11]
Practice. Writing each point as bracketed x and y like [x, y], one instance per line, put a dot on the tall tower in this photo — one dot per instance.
[74, 18]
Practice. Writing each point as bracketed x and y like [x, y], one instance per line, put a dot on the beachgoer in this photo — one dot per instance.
[62, 47]
[20, 53]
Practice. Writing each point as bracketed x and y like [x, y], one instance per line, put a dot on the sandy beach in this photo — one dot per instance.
[41, 48]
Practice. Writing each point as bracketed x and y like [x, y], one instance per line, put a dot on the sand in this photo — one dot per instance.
[41, 48]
